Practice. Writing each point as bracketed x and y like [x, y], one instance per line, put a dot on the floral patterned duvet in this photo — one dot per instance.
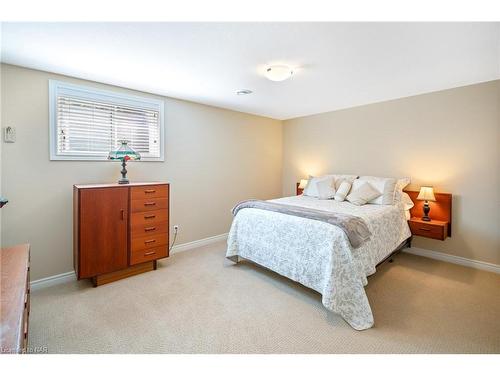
[319, 255]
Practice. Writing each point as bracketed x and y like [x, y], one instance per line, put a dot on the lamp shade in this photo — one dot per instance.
[303, 184]
[124, 152]
[426, 194]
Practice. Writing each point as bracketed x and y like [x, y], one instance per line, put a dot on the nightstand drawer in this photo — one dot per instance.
[149, 204]
[429, 230]
[149, 191]
[146, 255]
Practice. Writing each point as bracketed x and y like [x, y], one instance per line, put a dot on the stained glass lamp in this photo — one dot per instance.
[124, 153]
[3, 201]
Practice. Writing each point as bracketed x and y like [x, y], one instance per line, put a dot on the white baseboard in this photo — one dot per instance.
[71, 276]
[198, 243]
[53, 280]
[485, 266]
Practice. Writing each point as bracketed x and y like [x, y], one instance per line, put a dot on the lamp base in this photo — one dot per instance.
[427, 209]
[124, 179]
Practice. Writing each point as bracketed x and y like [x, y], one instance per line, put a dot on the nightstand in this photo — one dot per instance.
[435, 229]
[298, 190]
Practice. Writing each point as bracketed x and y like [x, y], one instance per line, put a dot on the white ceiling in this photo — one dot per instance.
[338, 65]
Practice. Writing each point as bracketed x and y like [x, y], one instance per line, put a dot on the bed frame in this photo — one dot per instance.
[406, 243]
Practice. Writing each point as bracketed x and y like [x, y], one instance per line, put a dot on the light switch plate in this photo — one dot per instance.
[9, 134]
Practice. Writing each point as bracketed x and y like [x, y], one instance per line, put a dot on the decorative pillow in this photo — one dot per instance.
[325, 189]
[311, 189]
[342, 191]
[386, 187]
[363, 194]
[342, 177]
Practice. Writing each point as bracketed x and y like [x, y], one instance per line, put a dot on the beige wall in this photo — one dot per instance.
[449, 139]
[213, 159]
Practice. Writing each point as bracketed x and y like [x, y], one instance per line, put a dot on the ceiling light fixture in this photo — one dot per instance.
[278, 73]
[243, 92]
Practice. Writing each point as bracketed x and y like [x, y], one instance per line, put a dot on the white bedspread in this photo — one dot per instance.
[319, 255]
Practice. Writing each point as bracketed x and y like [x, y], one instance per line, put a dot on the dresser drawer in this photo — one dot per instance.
[147, 192]
[149, 229]
[147, 242]
[149, 204]
[437, 232]
[139, 219]
[145, 255]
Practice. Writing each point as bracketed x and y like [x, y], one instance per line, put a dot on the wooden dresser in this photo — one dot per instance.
[119, 230]
[15, 299]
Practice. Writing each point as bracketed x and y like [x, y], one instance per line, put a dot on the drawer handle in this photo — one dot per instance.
[149, 229]
[425, 229]
[149, 216]
[150, 203]
[150, 253]
[149, 241]
[149, 191]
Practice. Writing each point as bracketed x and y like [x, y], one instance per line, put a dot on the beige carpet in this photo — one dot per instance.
[198, 302]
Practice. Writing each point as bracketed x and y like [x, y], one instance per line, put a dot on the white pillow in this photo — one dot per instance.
[400, 185]
[325, 189]
[311, 188]
[386, 187]
[342, 191]
[407, 202]
[363, 194]
[342, 177]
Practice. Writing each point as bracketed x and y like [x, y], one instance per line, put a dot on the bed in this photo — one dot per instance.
[319, 255]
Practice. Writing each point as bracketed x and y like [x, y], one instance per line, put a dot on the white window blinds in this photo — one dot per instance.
[88, 123]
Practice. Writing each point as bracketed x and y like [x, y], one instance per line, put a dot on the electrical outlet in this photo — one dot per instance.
[176, 227]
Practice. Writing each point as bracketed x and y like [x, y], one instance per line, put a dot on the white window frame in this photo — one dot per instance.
[99, 95]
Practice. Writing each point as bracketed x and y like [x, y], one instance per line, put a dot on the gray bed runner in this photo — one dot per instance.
[354, 227]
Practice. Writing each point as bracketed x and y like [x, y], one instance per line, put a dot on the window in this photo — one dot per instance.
[86, 123]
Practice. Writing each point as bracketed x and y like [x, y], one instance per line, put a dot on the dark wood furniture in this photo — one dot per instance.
[440, 225]
[119, 230]
[15, 299]
[298, 190]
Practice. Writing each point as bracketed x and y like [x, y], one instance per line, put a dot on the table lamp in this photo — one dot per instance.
[426, 194]
[124, 153]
